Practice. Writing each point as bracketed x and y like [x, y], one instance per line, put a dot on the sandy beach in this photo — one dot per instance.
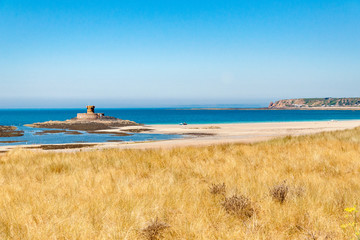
[208, 134]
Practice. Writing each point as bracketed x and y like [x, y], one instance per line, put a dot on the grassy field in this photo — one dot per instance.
[288, 188]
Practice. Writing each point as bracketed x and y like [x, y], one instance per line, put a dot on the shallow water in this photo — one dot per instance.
[59, 138]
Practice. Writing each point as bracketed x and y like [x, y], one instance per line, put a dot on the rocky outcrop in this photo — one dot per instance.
[89, 121]
[79, 125]
[315, 103]
[10, 131]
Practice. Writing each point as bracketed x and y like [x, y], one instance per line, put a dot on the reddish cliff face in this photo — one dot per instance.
[315, 102]
[287, 103]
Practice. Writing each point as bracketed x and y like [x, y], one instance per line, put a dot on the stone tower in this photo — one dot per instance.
[90, 109]
[90, 114]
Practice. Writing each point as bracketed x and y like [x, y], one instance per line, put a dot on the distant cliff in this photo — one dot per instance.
[316, 103]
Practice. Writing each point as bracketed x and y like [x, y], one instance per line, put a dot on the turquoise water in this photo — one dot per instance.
[60, 138]
[20, 117]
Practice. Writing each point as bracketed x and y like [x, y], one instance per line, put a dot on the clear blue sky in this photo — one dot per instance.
[169, 53]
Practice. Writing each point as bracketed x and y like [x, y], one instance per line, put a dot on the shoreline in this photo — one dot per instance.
[289, 108]
[296, 121]
[208, 134]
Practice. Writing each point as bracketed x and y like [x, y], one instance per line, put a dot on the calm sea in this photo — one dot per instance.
[18, 118]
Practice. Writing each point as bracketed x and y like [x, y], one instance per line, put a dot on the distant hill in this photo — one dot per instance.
[316, 103]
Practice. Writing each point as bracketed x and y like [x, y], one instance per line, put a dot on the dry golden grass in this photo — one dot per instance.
[168, 194]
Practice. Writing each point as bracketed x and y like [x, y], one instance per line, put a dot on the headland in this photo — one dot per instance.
[305, 104]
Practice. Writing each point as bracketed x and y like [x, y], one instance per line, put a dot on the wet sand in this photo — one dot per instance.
[208, 134]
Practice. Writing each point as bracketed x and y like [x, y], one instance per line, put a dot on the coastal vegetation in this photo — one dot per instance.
[316, 103]
[286, 188]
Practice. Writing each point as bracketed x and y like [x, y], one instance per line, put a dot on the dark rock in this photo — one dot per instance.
[10, 131]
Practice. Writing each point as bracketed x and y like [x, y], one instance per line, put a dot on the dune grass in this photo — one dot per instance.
[287, 188]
